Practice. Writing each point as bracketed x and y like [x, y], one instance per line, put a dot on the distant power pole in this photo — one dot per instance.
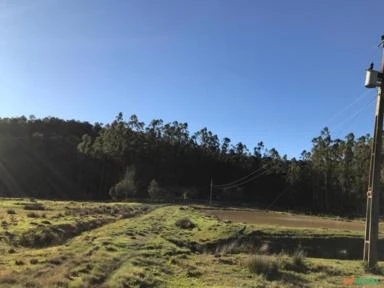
[374, 79]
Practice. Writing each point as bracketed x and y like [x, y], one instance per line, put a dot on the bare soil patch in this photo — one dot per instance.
[285, 219]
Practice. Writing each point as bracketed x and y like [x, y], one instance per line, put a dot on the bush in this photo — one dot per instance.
[11, 211]
[154, 190]
[265, 265]
[34, 261]
[33, 215]
[126, 188]
[188, 193]
[374, 270]
[19, 262]
[34, 206]
[185, 223]
[298, 258]
[123, 190]
[38, 238]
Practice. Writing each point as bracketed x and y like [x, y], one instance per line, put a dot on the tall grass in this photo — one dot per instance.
[265, 265]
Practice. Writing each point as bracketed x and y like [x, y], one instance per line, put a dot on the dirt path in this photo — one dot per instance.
[285, 219]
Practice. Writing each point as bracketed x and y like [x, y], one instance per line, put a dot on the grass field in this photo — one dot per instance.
[86, 244]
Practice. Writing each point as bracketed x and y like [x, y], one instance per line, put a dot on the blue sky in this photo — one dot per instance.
[271, 71]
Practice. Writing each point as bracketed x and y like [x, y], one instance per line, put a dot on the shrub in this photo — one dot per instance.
[189, 193]
[19, 262]
[55, 261]
[34, 261]
[34, 206]
[374, 270]
[265, 265]
[38, 238]
[33, 215]
[11, 211]
[154, 190]
[122, 190]
[126, 188]
[185, 223]
[138, 279]
[4, 224]
[194, 272]
[298, 258]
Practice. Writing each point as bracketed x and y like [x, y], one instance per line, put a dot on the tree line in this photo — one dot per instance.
[58, 159]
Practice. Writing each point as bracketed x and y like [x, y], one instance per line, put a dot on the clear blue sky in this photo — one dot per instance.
[272, 71]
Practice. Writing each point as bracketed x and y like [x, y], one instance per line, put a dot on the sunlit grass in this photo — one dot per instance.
[150, 250]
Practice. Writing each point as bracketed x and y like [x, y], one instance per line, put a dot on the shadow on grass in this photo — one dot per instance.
[293, 279]
[317, 246]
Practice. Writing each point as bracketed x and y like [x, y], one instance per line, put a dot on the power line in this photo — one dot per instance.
[344, 123]
[345, 108]
[348, 121]
[240, 182]
[240, 179]
[243, 180]
[276, 199]
[246, 181]
[353, 117]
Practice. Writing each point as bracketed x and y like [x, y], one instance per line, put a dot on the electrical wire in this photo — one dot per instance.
[246, 181]
[276, 199]
[348, 121]
[247, 178]
[240, 179]
[345, 108]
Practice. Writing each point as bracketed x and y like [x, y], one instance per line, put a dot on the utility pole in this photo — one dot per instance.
[210, 193]
[374, 79]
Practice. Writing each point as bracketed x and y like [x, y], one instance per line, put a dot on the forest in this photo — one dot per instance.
[51, 158]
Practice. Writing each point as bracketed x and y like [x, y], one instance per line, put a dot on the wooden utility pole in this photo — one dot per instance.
[373, 194]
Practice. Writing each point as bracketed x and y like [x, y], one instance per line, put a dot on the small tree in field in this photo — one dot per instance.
[126, 188]
[154, 190]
